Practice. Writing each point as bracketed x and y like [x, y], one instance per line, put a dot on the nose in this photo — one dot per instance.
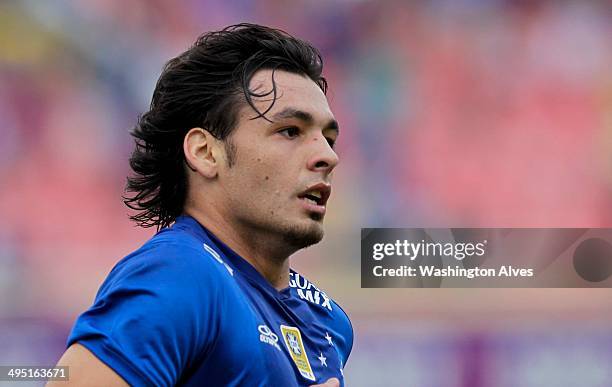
[324, 158]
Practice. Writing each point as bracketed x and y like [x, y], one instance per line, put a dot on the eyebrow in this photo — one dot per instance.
[302, 115]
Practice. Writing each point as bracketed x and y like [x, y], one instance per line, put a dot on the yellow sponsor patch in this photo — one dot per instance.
[293, 341]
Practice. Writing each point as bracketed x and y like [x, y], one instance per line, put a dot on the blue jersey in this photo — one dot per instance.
[185, 309]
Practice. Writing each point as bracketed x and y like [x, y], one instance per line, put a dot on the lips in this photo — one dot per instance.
[316, 194]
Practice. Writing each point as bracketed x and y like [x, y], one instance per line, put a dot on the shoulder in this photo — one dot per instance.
[159, 310]
[172, 255]
[171, 271]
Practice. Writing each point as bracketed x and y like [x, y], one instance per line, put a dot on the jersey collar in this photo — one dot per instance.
[236, 261]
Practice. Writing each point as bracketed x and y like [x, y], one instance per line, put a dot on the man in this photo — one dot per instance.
[233, 163]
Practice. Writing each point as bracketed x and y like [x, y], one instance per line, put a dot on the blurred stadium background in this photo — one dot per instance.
[474, 113]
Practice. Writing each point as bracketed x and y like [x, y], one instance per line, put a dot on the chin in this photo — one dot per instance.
[301, 236]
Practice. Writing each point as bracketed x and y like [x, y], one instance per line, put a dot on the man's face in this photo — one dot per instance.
[280, 178]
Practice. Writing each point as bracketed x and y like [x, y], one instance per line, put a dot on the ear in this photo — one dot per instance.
[201, 151]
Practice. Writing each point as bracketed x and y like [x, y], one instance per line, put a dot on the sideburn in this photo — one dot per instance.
[230, 151]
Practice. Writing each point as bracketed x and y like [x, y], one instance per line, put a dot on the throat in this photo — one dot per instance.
[275, 272]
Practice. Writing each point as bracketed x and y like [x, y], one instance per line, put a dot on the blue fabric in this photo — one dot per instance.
[185, 309]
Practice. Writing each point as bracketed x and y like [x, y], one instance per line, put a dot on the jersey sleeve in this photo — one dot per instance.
[156, 313]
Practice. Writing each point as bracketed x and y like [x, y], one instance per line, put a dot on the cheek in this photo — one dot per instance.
[265, 175]
[264, 170]
[273, 181]
[261, 178]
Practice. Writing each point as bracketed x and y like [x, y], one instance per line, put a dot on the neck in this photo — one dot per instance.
[263, 252]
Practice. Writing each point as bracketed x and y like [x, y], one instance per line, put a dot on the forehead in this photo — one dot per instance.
[292, 90]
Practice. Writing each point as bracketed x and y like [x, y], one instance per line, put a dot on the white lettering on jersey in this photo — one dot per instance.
[308, 291]
[267, 336]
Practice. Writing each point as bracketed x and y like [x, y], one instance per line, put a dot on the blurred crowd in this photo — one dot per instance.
[466, 113]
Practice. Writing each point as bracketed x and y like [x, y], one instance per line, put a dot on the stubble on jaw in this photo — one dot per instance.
[301, 237]
[272, 229]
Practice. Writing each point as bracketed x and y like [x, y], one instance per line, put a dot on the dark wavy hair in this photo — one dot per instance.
[205, 87]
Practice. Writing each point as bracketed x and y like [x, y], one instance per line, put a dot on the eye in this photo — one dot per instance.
[290, 132]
